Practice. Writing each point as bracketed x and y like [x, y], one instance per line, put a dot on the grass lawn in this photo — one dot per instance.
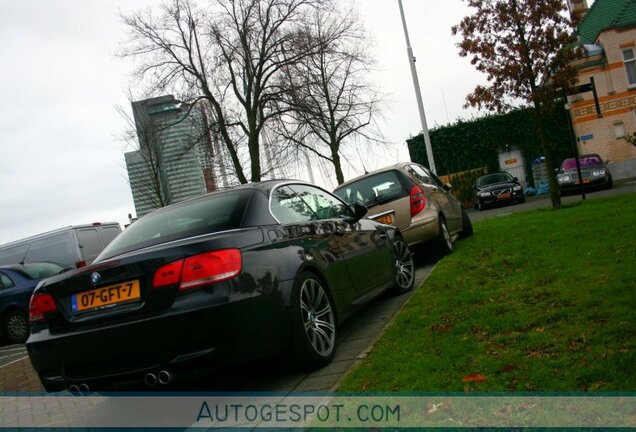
[537, 301]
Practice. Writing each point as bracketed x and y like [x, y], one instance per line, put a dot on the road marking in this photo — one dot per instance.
[12, 355]
[14, 361]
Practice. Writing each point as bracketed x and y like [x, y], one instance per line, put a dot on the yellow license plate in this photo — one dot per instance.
[386, 219]
[504, 196]
[106, 296]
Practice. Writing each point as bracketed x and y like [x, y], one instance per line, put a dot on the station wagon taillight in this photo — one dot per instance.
[40, 305]
[198, 270]
[418, 200]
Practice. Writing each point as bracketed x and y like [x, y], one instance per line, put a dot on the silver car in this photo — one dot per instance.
[413, 199]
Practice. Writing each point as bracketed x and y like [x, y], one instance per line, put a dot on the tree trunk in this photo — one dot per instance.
[255, 160]
[335, 159]
[549, 164]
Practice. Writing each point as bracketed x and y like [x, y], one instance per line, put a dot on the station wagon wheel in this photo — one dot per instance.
[16, 326]
[314, 324]
[444, 239]
[405, 275]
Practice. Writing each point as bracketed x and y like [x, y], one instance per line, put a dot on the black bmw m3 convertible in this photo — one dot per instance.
[262, 268]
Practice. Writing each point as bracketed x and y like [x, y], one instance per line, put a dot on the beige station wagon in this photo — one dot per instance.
[413, 199]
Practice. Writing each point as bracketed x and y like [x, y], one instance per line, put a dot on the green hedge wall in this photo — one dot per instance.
[465, 145]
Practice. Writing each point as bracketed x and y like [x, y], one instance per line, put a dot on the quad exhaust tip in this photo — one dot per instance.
[150, 379]
[81, 389]
[164, 377]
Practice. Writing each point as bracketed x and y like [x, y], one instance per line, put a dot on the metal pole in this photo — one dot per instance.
[575, 148]
[418, 94]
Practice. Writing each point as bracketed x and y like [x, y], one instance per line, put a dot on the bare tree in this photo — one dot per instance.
[228, 52]
[330, 100]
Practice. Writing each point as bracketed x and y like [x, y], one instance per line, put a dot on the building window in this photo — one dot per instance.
[629, 59]
[619, 130]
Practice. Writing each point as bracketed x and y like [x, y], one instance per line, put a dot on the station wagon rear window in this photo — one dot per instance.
[375, 189]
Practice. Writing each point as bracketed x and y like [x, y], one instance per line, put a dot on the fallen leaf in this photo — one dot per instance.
[510, 368]
[474, 378]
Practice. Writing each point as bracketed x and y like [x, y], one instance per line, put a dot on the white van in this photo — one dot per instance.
[73, 246]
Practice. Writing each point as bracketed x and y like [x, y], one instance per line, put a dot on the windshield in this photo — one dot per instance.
[375, 189]
[494, 179]
[212, 213]
[40, 270]
[584, 161]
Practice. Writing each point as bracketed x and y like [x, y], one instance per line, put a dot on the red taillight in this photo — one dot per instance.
[168, 274]
[210, 267]
[40, 305]
[80, 264]
[418, 200]
[200, 269]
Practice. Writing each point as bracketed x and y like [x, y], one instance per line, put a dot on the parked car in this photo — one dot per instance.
[71, 246]
[17, 282]
[413, 199]
[237, 274]
[497, 188]
[594, 173]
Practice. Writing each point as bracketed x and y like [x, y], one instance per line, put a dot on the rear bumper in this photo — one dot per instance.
[177, 341]
[423, 228]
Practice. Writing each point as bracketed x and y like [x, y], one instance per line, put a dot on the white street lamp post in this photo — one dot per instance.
[418, 94]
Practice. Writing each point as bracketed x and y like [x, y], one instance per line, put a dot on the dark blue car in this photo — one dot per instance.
[17, 282]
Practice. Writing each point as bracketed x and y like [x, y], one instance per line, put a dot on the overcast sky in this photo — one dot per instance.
[61, 163]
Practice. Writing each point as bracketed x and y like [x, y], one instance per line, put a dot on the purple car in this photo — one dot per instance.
[594, 173]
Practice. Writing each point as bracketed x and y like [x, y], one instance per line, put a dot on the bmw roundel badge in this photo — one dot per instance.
[95, 278]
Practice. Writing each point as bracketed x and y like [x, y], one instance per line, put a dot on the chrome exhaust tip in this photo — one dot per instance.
[150, 379]
[84, 389]
[164, 377]
[74, 389]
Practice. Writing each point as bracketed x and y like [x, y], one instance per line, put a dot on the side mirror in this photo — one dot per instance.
[359, 211]
[556, 170]
[515, 179]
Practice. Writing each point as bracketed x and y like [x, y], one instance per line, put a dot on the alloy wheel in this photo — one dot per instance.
[318, 317]
[447, 237]
[404, 265]
[17, 327]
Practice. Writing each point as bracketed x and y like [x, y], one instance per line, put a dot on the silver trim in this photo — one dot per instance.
[379, 215]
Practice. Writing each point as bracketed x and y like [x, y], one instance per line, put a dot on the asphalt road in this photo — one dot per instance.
[11, 353]
[620, 187]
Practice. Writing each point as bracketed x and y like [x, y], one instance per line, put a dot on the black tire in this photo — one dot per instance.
[444, 241]
[16, 326]
[480, 206]
[405, 275]
[314, 326]
[522, 200]
[610, 183]
[467, 225]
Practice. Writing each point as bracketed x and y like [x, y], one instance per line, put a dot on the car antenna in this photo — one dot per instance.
[25, 254]
[362, 162]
